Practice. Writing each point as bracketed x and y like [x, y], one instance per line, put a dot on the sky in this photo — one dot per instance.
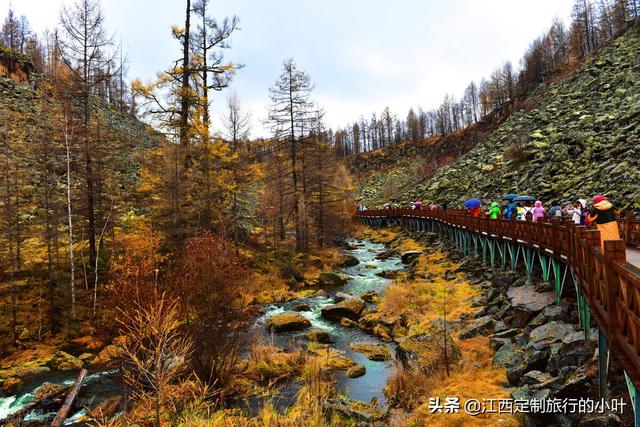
[362, 55]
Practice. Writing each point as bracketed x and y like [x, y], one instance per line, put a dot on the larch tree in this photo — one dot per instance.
[290, 112]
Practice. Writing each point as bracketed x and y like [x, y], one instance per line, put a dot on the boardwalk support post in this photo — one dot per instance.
[635, 400]
[603, 364]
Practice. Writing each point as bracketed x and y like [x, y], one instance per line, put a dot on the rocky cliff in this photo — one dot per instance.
[579, 136]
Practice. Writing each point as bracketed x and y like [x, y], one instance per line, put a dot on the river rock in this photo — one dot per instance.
[526, 298]
[347, 323]
[12, 386]
[289, 321]
[372, 350]
[302, 307]
[408, 256]
[341, 296]
[507, 356]
[348, 260]
[108, 356]
[320, 293]
[319, 335]
[350, 308]
[62, 361]
[23, 371]
[331, 279]
[370, 296]
[47, 389]
[387, 254]
[388, 274]
[426, 351]
[356, 410]
[356, 371]
[480, 326]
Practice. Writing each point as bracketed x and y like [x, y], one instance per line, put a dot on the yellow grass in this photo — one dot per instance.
[472, 378]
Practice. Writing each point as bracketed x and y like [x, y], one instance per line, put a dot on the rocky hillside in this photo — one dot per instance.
[580, 137]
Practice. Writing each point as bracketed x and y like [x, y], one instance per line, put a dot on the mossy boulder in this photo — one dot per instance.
[329, 278]
[12, 386]
[350, 308]
[372, 350]
[319, 336]
[108, 356]
[63, 361]
[287, 322]
[47, 389]
[23, 371]
[356, 371]
[348, 260]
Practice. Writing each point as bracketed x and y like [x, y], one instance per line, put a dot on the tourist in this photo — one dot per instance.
[520, 212]
[580, 212]
[511, 211]
[494, 211]
[474, 211]
[538, 211]
[555, 211]
[568, 210]
[527, 211]
[604, 215]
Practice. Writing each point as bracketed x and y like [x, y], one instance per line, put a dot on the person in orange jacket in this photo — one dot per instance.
[604, 216]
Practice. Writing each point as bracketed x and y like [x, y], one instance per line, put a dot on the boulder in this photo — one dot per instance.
[526, 298]
[388, 254]
[289, 321]
[356, 410]
[47, 389]
[348, 323]
[351, 308]
[507, 356]
[426, 351]
[108, 356]
[370, 296]
[331, 279]
[388, 274]
[348, 260]
[302, 307]
[341, 296]
[551, 332]
[356, 371]
[12, 386]
[533, 361]
[480, 326]
[408, 256]
[319, 335]
[548, 314]
[62, 361]
[320, 293]
[372, 350]
[23, 371]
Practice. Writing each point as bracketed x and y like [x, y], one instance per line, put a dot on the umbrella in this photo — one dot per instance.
[472, 203]
[418, 203]
[524, 199]
[509, 196]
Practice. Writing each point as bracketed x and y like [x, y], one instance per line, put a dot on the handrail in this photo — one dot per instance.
[609, 284]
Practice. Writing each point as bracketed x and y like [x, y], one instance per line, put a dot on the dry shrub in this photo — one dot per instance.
[518, 152]
[406, 388]
[269, 365]
[209, 279]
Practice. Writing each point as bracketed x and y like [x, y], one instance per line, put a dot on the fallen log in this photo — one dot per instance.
[63, 413]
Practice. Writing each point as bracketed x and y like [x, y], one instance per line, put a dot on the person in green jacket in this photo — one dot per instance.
[494, 211]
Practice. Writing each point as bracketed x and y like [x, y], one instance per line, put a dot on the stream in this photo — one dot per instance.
[362, 278]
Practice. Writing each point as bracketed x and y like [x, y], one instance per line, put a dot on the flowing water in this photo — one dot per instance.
[362, 278]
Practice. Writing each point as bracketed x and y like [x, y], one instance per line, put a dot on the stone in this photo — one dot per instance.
[499, 326]
[551, 332]
[320, 293]
[496, 343]
[480, 326]
[533, 360]
[319, 335]
[331, 279]
[287, 322]
[347, 323]
[348, 260]
[548, 314]
[507, 357]
[23, 371]
[47, 389]
[387, 254]
[350, 308]
[388, 274]
[12, 386]
[341, 296]
[408, 256]
[358, 411]
[372, 350]
[63, 361]
[536, 377]
[526, 298]
[108, 356]
[370, 296]
[370, 267]
[302, 307]
[356, 371]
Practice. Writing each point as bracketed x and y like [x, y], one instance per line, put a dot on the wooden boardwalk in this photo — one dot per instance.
[607, 281]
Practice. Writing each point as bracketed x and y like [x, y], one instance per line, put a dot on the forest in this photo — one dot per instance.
[166, 253]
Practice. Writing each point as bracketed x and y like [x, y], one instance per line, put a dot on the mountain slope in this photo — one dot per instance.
[581, 137]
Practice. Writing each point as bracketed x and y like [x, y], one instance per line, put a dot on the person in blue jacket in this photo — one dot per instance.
[510, 211]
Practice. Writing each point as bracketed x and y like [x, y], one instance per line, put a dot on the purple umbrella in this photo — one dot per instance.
[472, 203]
